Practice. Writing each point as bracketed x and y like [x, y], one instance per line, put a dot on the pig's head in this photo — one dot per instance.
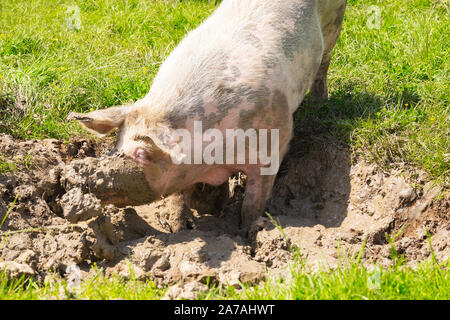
[144, 137]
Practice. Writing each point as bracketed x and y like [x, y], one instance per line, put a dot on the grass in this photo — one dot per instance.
[98, 287]
[13, 164]
[48, 69]
[389, 99]
[7, 165]
[351, 281]
[389, 86]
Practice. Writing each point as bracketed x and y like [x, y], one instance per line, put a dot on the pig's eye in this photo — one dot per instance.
[141, 156]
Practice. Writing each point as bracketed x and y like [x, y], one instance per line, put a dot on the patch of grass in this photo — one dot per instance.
[427, 281]
[97, 287]
[389, 94]
[48, 69]
[7, 166]
[13, 164]
[351, 281]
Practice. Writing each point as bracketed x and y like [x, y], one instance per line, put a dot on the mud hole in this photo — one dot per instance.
[321, 198]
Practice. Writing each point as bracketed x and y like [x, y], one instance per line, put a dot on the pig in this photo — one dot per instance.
[249, 65]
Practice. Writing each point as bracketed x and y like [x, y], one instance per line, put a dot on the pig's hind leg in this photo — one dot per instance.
[330, 32]
[319, 90]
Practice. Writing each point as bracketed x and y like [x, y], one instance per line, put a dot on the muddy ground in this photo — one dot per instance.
[322, 198]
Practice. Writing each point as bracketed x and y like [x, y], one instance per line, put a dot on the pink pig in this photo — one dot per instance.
[248, 67]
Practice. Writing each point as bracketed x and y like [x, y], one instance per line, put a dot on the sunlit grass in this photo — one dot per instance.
[351, 281]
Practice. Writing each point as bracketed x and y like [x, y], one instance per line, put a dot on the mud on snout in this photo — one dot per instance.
[112, 179]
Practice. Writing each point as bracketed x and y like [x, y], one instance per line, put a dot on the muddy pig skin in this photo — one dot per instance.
[249, 65]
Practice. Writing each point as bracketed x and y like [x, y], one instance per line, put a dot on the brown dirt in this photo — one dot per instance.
[322, 198]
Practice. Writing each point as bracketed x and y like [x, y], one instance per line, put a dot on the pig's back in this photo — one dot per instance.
[245, 49]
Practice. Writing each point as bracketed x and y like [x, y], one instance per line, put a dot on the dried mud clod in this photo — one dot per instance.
[61, 216]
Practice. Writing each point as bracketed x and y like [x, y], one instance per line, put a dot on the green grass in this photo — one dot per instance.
[97, 287]
[12, 164]
[390, 86]
[47, 70]
[351, 281]
[7, 165]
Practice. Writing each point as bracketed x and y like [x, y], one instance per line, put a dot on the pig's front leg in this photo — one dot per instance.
[257, 192]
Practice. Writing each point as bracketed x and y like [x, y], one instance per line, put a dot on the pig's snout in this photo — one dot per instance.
[126, 182]
[116, 180]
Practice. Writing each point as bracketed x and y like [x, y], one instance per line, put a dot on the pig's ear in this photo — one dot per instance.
[101, 121]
